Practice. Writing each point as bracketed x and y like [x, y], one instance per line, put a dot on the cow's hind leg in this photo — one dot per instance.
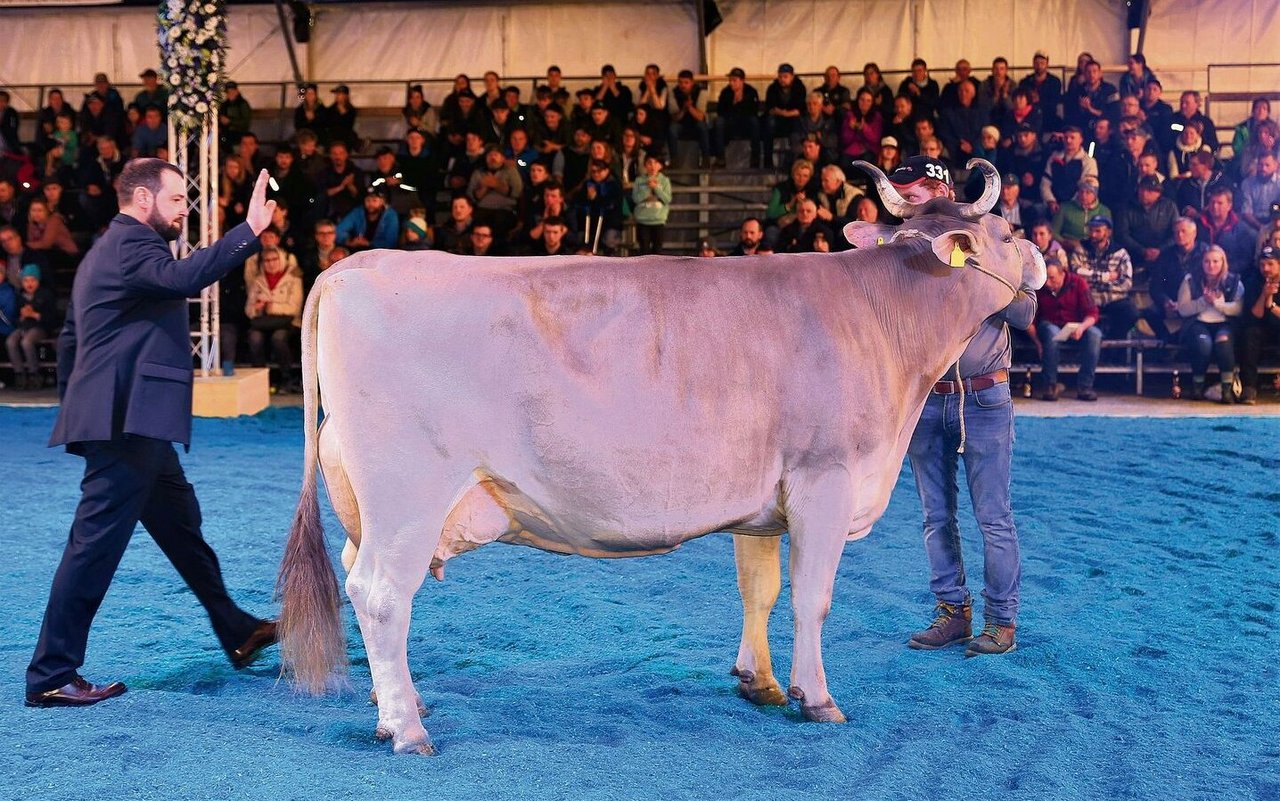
[818, 515]
[389, 568]
[759, 561]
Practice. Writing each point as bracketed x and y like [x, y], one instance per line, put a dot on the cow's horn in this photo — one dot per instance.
[894, 203]
[990, 193]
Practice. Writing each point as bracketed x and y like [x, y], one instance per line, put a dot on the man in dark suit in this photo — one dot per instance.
[124, 373]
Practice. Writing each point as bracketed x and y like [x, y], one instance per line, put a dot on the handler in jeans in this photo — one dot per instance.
[1065, 299]
[988, 451]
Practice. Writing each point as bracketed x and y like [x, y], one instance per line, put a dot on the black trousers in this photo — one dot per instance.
[126, 481]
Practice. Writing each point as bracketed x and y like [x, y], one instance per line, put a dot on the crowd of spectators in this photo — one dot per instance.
[1119, 189]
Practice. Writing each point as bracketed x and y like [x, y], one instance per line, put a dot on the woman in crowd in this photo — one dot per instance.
[234, 190]
[860, 130]
[787, 194]
[1210, 300]
[874, 83]
[274, 309]
[310, 112]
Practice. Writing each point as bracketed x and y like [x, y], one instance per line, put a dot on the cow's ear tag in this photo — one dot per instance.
[957, 256]
[879, 241]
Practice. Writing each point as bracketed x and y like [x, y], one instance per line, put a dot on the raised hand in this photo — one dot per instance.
[260, 209]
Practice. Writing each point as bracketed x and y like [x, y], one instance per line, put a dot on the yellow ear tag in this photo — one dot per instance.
[957, 257]
[879, 241]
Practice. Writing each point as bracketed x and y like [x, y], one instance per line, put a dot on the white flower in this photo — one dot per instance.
[175, 79]
[202, 107]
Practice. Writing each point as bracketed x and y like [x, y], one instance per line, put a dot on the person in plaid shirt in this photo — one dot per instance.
[1106, 268]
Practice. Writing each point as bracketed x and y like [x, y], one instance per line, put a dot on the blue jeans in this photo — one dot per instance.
[1203, 340]
[703, 135]
[1090, 347]
[987, 454]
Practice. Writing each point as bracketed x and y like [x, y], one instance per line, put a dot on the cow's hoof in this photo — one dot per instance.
[420, 747]
[763, 694]
[382, 732]
[818, 713]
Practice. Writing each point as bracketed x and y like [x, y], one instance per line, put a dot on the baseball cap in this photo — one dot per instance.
[889, 141]
[101, 77]
[341, 88]
[148, 73]
[380, 190]
[31, 271]
[231, 85]
[1100, 220]
[1088, 184]
[1009, 179]
[1269, 252]
[917, 168]
[1149, 182]
[737, 72]
[785, 67]
[1026, 127]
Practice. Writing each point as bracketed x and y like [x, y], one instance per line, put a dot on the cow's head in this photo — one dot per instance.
[960, 234]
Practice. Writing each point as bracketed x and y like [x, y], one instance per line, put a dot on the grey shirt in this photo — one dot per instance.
[990, 350]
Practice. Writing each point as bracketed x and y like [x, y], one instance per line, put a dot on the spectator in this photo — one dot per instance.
[496, 188]
[98, 121]
[13, 210]
[1051, 250]
[815, 123]
[873, 81]
[152, 135]
[463, 165]
[1122, 171]
[1071, 223]
[498, 124]
[866, 210]
[340, 118]
[234, 191]
[111, 98]
[786, 195]
[688, 112]
[861, 128]
[340, 182]
[1046, 90]
[1247, 131]
[806, 233]
[577, 158]
[376, 225]
[1220, 225]
[235, 116]
[922, 89]
[17, 256]
[62, 202]
[558, 91]
[1188, 143]
[520, 112]
[951, 90]
[1088, 102]
[521, 155]
[455, 235]
[1026, 159]
[1210, 301]
[784, 102]
[1261, 319]
[292, 237]
[835, 95]
[652, 136]
[1159, 115]
[1191, 194]
[98, 171]
[37, 319]
[1016, 210]
[1066, 169]
[750, 239]
[604, 127]
[811, 150]
[1259, 191]
[251, 155]
[581, 114]
[738, 116]
[450, 107]
[836, 198]
[9, 142]
[1022, 112]
[1175, 263]
[321, 258]
[706, 249]
[417, 233]
[309, 160]
[271, 241]
[46, 121]
[890, 155]
[1188, 112]
[416, 108]
[902, 124]
[554, 240]
[274, 309]
[615, 96]
[996, 95]
[1106, 268]
[554, 204]
[310, 113]
[1064, 301]
[599, 206]
[1134, 81]
[47, 231]
[1267, 142]
[651, 199]
[293, 186]
[484, 241]
[961, 121]
[655, 96]
[931, 147]
[1145, 228]
[553, 135]
[492, 91]
[387, 175]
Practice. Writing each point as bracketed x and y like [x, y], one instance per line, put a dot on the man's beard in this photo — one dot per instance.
[168, 230]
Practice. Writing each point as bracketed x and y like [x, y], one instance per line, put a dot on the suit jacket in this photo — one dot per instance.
[124, 355]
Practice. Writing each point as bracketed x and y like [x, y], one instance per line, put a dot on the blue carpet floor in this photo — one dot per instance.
[1146, 668]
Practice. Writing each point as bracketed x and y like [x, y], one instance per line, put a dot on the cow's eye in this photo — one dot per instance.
[1008, 240]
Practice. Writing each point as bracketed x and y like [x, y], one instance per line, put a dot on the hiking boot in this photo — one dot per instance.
[1050, 393]
[1086, 394]
[952, 624]
[994, 639]
[1197, 389]
[1228, 392]
[1250, 396]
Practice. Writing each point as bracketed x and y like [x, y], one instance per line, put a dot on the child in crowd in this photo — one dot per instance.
[651, 198]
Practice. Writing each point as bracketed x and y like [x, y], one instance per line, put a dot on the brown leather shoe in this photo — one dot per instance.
[263, 636]
[76, 692]
[952, 624]
[994, 639]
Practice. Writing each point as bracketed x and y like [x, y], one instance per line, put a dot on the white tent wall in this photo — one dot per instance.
[394, 43]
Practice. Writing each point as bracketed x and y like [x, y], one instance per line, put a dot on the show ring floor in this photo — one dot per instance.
[1146, 667]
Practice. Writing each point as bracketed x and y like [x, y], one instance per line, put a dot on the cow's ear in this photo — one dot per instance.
[868, 235]
[953, 247]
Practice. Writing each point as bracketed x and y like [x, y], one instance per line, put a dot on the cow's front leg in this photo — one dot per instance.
[818, 517]
[382, 594]
[759, 561]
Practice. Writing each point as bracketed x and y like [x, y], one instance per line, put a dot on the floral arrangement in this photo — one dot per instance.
[193, 42]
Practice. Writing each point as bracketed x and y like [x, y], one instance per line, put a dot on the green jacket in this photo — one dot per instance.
[651, 206]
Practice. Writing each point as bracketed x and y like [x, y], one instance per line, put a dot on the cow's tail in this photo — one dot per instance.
[313, 644]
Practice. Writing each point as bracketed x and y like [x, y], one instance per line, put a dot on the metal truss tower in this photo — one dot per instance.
[195, 153]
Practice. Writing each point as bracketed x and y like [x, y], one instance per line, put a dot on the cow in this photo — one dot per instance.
[620, 407]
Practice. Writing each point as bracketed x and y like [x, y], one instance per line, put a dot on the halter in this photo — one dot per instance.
[971, 262]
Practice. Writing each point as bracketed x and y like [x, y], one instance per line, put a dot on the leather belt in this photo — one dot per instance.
[972, 384]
